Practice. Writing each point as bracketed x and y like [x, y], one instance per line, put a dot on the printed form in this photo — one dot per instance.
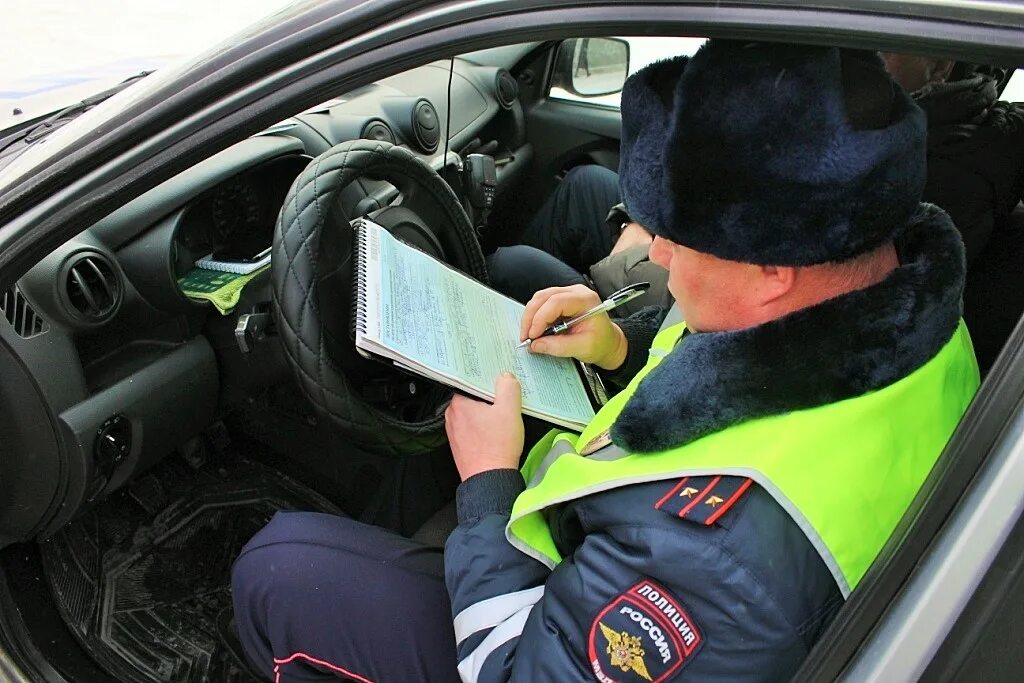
[455, 326]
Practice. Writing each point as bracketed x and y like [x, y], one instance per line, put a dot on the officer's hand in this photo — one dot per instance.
[483, 436]
[596, 340]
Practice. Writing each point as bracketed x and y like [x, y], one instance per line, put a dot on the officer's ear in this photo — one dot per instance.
[775, 283]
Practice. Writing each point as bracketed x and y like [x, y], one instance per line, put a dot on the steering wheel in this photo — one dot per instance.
[376, 406]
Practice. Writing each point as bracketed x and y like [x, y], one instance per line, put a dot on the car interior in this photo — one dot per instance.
[160, 416]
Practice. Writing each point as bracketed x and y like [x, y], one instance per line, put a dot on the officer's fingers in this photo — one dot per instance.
[566, 345]
[531, 310]
[508, 394]
[453, 408]
[538, 300]
[545, 295]
[458, 405]
[561, 305]
[450, 419]
[552, 310]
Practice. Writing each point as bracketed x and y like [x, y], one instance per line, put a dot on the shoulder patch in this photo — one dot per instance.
[643, 634]
[703, 499]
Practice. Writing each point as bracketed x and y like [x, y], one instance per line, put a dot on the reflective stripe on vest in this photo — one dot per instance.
[845, 472]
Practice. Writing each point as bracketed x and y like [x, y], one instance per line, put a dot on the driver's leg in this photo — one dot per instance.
[519, 271]
[318, 596]
[571, 224]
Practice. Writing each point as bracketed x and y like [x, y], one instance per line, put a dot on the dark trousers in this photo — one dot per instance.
[571, 224]
[565, 238]
[319, 597]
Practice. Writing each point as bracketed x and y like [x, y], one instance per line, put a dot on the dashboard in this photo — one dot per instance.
[129, 366]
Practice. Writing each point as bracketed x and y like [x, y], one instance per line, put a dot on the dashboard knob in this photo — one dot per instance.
[113, 443]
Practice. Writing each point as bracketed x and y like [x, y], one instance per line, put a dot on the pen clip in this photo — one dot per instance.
[629, 291]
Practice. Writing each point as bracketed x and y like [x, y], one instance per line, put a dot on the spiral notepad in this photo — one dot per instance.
[437, 322]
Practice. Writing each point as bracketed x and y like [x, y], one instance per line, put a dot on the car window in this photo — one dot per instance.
[643, 50]
[55, 53]
[1014, 90]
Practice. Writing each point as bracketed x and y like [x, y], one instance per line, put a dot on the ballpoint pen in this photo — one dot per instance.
[614, 300]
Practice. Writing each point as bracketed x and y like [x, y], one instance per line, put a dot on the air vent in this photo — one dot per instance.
[506, 90]
[378, 130]
[91, 288]
[425, 126]
[22, 317]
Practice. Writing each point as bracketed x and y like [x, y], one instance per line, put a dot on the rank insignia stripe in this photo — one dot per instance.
[704, 499]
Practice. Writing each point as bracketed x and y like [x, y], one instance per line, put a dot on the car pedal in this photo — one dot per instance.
[148, 493]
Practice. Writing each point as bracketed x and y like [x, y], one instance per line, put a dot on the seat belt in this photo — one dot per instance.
[673, 317]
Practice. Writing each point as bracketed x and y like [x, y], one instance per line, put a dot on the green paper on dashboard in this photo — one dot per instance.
[221, 289]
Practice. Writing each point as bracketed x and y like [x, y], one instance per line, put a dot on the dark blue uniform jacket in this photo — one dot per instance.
[708, 578]
[750, 592]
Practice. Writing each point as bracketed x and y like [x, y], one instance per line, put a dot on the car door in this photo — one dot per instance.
[571, 94]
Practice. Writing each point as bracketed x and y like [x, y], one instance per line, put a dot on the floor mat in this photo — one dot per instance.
[142, 578]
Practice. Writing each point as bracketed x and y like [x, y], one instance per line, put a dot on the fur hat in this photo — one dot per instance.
[771, 154]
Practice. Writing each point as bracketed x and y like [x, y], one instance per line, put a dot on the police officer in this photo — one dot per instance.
[710, 521]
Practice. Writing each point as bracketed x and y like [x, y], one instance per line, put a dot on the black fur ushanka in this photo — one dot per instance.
[747, 151]
[838, 349]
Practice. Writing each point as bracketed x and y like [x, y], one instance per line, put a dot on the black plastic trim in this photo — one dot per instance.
[421, 134]
[41, 423]
[15, 639]
[124, 224]
[379, 125]
[168, 397]
[74, 272]
[19, 313]
[499, 95]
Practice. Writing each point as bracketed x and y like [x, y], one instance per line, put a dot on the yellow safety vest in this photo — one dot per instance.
[845, 472]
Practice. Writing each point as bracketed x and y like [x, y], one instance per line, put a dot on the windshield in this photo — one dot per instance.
[54, 53]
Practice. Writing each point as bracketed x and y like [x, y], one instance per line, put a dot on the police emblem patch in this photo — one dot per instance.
[642, 635]
[625, 651]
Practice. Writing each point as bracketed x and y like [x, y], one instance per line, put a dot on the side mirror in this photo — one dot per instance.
[596, 66]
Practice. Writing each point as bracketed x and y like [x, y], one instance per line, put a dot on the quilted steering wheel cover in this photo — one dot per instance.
[294, 275]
